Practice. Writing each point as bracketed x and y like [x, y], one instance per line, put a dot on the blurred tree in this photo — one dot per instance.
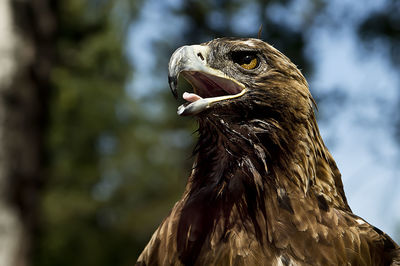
[26, 56]
[382, 29]
[383, 25]
[380, 32]
[88, 113]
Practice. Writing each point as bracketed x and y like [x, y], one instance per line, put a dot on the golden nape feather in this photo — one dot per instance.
[264, 189]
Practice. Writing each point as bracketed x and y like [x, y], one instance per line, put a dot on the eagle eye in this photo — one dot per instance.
[247, 60]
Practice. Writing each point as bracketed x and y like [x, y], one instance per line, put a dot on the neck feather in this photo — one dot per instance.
[292, 156]
[244, 172]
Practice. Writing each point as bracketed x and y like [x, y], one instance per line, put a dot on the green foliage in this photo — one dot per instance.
[89, 81]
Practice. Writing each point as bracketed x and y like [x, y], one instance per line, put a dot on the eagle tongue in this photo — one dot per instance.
[191, 97]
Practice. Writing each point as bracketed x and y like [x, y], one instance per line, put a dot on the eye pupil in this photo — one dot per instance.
[247, 60]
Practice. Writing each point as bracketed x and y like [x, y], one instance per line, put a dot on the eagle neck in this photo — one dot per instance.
[245, 176]
[267, 155]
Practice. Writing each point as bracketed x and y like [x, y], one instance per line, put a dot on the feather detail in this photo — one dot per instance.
[264, 189]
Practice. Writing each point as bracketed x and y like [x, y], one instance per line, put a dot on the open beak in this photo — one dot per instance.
[209, 85]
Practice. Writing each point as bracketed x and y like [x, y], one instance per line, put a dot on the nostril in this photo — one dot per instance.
[201, 56]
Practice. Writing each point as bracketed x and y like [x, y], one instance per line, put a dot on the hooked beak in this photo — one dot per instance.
[209, 85]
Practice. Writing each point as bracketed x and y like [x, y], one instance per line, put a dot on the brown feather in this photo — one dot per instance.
[264, 189]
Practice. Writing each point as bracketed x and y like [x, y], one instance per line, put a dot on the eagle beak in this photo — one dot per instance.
[185, 58]
[211, 85]
[173, 85]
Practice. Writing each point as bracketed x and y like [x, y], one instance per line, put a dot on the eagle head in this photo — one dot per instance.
[240, 79]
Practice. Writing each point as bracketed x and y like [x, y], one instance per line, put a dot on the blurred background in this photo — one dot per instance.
[92, 153]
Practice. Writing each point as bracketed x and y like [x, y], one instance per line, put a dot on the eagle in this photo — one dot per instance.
[264, 189]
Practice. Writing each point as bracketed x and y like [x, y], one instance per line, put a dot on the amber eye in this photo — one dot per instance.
[246, 60]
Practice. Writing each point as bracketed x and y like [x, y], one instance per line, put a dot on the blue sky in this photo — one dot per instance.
[357, 133]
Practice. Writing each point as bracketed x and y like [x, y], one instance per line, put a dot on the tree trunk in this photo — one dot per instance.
[26, 30]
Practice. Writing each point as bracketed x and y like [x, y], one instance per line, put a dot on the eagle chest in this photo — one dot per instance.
[283, 240]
